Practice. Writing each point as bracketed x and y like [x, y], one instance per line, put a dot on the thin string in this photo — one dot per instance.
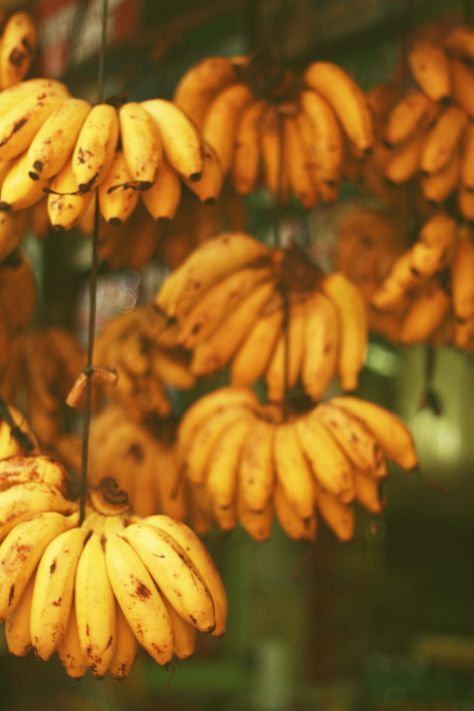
[92, 291]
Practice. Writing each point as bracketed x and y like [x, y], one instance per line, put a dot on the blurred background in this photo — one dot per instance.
[382, 622]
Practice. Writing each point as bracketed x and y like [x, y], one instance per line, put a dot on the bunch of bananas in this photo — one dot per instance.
[251, 464]
[41, 369]
[268, 124]
[232, 298]
[93, 592]
[17, 300]
[18, 42]
[142, 348]
[55, 143]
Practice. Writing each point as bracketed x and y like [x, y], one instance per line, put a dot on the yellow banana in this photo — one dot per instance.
[466, 203]
[439, 186]
[352, 313]
[388, 429]
[462, 78]
[467, 160]
[320, 344]
[163, 198]
[201, 83]
[17, 625]
[272, 147]
[443, 139]
[172, 370]
[200, 557]
[460, 41]
[19, 40]
[95, 607]
[66, 204]
[174, 573]
[246, 160]
[69, 649]
[433, 249]
[462, 276]
[292, 524]
[23, 501]
[126, 647]
[256, 470]
[299, 175]
[292, 472]
[222, 119]
[425, 314]
[324, 142]
[338, 516]
[289, 350]
[118, 195]
[184, 634]
[258, 524]
[209, 186]
[346, 99]
[430, 68]
[18, 190]
[181, 141]
[52, 146]
[367, 492]
[405, 118]
[9, 98]
[141, 144]
[404, 162]
[95, 146]
[397, 284]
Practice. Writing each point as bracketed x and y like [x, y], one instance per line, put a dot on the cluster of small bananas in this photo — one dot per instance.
[265, 123]
[17, 300]
[18, 42]
[426, 132]
[250, 464]
[52, 142]
[231, 299]
[93, 592]
[42, 367]
[142, 348]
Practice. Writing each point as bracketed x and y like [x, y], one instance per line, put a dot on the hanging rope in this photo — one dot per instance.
[89, 369]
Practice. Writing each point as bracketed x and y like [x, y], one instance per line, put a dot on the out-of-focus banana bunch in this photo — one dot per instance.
[94, 592]
[18, 42]
[17, 300]
[143, 349]
[16, 436]
[42, 367]
[426, 133]
[268, 125]
[251, 465]
[231, 299]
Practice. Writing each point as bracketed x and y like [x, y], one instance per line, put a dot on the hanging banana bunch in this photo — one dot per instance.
[252, 465]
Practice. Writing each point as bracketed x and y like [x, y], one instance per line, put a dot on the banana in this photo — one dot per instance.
[329, 464]
[181, 140]
[95, 607]
[460, 41]
[225, 464]
[172, 370]
[208, 264]
[54, 590]
[358, 444]
[213, 402]
[20, 469]
[367, 493]
[439, 186]
[292, 472]
[443, 139]
[466, 204]
[337, 516]
[352, 313]
[209, 186]
[258, 524]
[467, 160]
[17, 625]
[462, 279]
[95, 147]
[425, 314]
[388, 429]
[220, 300]
[19, 124]
[22, 501]
[69, 649]
[141, 144]
[198, 553]
[324, 143]
[66, 204]
[9, 98]
[201, 83]
[401, 279]
[463, 336]
[462, 78]
[163, 197]
[255, 353]
[433, 249]
[292, 524]
[228, 336]
[272, 147]
[405, 118]
[52, 146]
[256, 470]
[222, 119]
[174, 573]
[18, 190]
[12, 231]
[246, 160]
[299, 175]
[184, 634]
[430, 68]
[404, 162]
[19, 40]
[346, 99]
[20, 552]
[320, 344]
[126, 647]
[118, 196]
[13, 443]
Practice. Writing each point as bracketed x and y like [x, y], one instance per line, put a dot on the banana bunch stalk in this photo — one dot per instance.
[252, 465]
[94, 593]
[269, 126]
[18, 42]
[229, 300]
[41, 370]
[17, 301]
[143, 350]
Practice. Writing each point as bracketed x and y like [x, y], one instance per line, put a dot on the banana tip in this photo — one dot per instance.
[194, 177]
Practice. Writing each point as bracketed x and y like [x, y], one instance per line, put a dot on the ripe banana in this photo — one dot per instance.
[337, 516]
[22, 501]
[246, 160]
[163, 197]
[462, 279]
[258, 524]
[17, 625]
[405, 118]
[430, 69]
[256, 470]
[18, 44]
[404, 162]
[462, 79]
[126, 647]
[141, 144]
[184, 634]
[324, 142]
[443, 139]
[69, 649]
[292, 524]
[299, 175]
[208, 187]
[20, 469]
[425, 314]
[255, 353]
[367, 493]
[320, 344]
[292, 472]
[66, 204]
[433, 250]
[118, 196]
[18, 190]
[467, 160]
[95, 147]
[438, 187]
